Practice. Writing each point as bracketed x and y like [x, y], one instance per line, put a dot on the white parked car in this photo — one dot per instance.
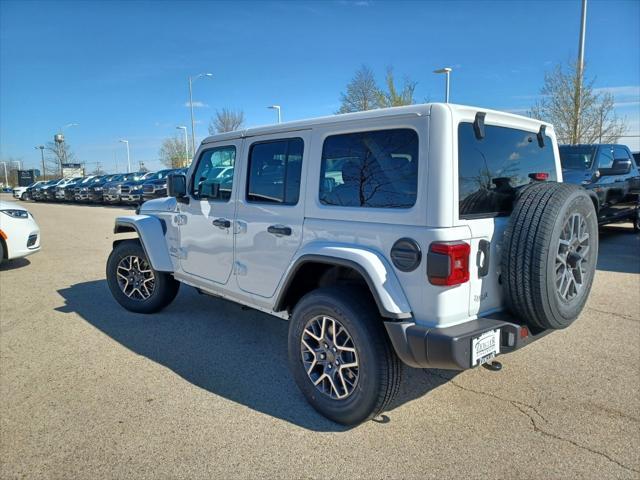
[20, 193]
[435, 235]
[19, 232]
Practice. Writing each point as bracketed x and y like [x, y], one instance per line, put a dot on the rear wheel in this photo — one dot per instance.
[134, 283]
[340, 355]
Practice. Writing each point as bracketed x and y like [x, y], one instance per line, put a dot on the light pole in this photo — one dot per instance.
[126, 142]
[276, 107]
[447, 72]
[579, 74]
[186, 143]
[193, 131]
[41, 148]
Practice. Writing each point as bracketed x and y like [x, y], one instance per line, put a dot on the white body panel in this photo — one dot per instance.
[16, 232]
[363, 235]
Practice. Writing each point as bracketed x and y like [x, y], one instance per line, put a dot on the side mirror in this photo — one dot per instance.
[620, 167]
[210, 189]
[177, 186]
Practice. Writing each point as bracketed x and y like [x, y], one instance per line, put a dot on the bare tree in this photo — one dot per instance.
[57, 154]
[362, 92]
[172, 153]
[597, 121]
[226, 120]
[393, 97]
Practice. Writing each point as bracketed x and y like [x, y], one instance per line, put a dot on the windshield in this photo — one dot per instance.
[158, 175]
[87, 180]
[576, 157]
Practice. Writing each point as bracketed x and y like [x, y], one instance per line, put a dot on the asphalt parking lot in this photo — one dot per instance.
[90, 390]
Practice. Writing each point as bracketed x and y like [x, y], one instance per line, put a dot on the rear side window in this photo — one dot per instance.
[377, 169]
[491, 170]
[274, 171]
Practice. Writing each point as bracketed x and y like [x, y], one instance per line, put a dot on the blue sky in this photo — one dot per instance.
[119, 69]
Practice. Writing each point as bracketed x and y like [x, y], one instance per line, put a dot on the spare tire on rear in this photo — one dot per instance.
[549, 256]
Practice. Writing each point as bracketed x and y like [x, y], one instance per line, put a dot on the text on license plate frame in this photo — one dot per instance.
[484, 347]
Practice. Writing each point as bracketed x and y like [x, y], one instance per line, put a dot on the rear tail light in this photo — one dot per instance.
[539, 176]
[448, 263]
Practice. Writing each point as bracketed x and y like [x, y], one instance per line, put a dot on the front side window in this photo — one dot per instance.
[214, 176]
[491, 169]
[274, 171]
[377, 169]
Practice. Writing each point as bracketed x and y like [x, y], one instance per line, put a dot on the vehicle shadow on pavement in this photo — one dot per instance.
[223, 348]
[619, 249]
[13, 264]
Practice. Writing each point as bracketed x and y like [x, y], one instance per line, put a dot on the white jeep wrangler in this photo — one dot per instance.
[436, 235]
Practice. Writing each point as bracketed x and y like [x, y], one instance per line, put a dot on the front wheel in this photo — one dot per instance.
[134, 283]
[340, 355]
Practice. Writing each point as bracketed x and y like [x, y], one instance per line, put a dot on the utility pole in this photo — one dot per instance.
[579, 75]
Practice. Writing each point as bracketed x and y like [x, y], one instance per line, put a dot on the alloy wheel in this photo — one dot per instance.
[135, 277]
[572, 257]
[329, 357]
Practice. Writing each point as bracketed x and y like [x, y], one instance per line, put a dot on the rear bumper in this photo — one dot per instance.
[450, 348]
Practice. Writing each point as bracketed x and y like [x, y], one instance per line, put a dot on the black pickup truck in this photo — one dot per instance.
[610, 174]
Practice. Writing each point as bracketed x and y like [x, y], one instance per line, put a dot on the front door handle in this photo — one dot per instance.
[221, 223]
[279, 230]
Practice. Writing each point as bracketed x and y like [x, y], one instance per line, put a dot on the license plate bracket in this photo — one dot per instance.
[485, 347]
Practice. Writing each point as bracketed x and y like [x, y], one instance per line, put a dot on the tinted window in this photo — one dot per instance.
[214, 176]
[370, 169]
[576, 157]
[605, 157]
[491, 169]
[274, 171]
[620, 153]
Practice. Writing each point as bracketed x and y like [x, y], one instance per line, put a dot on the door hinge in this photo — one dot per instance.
[240, 269]
[239, 227]
[178, 252]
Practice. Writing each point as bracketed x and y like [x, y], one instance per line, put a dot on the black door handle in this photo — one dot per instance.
[222, 223]
[279, 230]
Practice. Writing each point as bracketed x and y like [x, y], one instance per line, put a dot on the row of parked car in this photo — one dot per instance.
[120, 188]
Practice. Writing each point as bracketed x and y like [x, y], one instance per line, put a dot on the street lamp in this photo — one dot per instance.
[126, 142]
[447, 71]
[41, 148]
[276, 107]
[186, 142]
[191, 79]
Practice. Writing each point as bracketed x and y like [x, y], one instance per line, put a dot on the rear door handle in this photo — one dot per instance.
[279, 230]
[222, 223]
